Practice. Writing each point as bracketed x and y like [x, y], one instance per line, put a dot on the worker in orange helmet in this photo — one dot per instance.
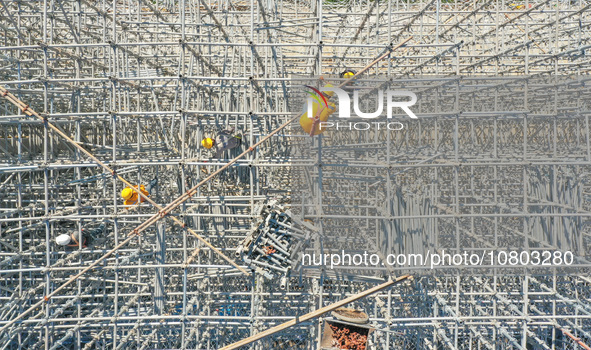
[131, 197]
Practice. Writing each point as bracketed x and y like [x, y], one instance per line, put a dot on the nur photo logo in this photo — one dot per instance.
[327, 101]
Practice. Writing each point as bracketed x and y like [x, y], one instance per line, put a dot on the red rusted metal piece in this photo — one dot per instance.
[344, 338]
[269, 250]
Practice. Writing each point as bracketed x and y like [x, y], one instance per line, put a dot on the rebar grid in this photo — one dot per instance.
[139, 83]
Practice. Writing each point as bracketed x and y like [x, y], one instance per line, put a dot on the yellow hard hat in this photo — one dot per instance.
[127, 193]
[207, 142]
[348, 74]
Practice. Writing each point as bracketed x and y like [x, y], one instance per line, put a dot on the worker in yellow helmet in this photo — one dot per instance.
[224, 141]
[131, 197]
[320, 112]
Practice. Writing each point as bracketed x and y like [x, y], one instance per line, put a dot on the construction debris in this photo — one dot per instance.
[347, 331]
[274, 239]
[345, 336]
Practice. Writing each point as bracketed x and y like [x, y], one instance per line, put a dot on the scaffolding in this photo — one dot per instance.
[137, 84]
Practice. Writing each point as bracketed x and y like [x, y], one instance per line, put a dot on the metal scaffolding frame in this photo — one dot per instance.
[139, 83]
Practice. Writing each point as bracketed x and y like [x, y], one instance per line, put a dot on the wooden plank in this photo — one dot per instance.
[313, 314]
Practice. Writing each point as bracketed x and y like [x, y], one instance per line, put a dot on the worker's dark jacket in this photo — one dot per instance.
[87, 236]
[225, 141]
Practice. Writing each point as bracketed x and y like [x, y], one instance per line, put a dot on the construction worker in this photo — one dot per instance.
[224, 141]
[131, 197]
[320, 113]
[73, 239]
